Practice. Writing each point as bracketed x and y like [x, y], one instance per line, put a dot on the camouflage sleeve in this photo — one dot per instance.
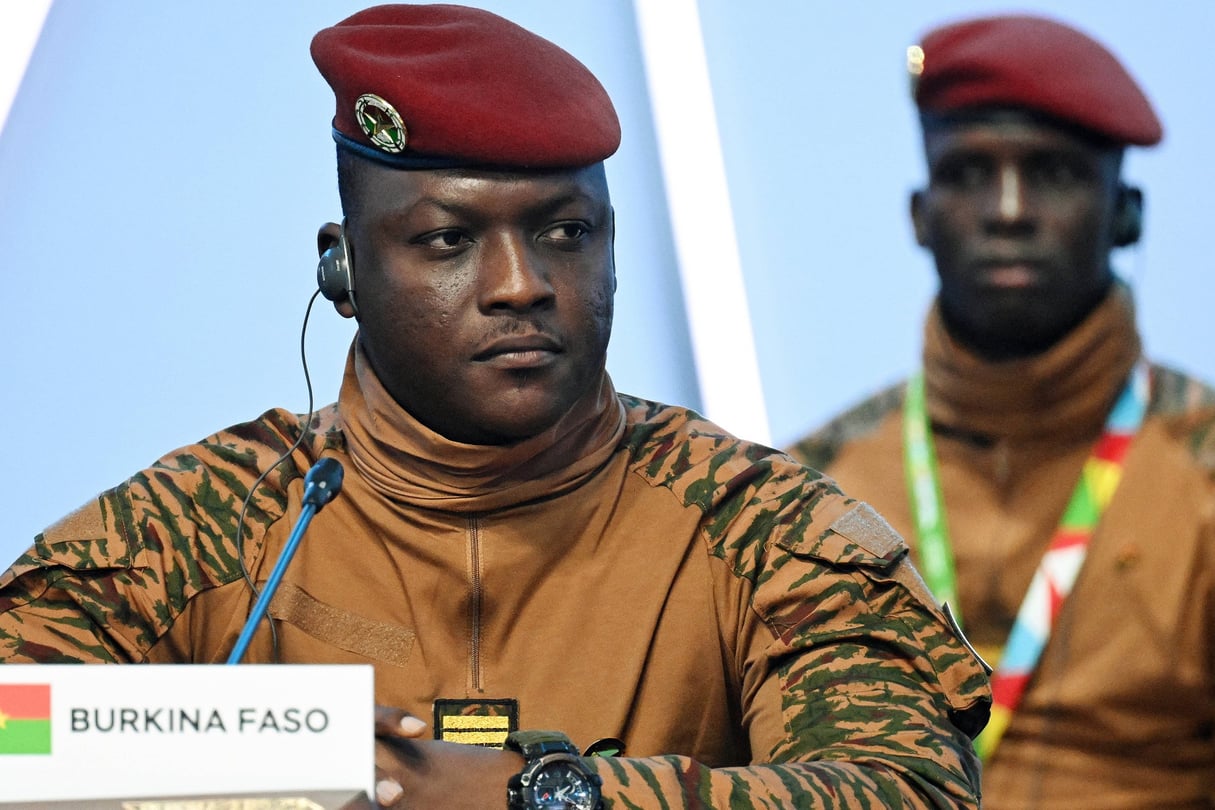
[857, 691]
[64, 600]
[106, 583]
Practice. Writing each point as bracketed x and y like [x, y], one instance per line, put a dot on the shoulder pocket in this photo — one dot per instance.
[858, 537]
[85, 540]
[862, 538]
[89, 538]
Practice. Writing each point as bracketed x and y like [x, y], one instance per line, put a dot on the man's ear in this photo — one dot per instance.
[1128, 216]
[334, 271]
[918, 222]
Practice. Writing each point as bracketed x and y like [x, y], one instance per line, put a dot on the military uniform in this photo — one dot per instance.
[1121, 709]
[751, 634]
[630, 571]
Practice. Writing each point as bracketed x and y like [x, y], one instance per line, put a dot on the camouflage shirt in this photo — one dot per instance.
[754, 637]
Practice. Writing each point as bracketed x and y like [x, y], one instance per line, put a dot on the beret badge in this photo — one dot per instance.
[915, 66]
[380, 122]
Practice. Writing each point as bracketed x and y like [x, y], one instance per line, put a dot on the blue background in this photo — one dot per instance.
[165, 167]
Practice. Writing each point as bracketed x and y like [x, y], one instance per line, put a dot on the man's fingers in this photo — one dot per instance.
[393, 722]
[388, 791]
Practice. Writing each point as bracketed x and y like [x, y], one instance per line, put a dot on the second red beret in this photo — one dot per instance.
[1036, 64]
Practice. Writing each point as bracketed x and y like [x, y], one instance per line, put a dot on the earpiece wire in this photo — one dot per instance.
[240, 523]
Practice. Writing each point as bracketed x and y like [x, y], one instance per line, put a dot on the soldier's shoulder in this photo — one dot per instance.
[672, 439]
[274, 435]
[821, 447]
[1186, 405]
[677, 448]
[165, 534]
[749, 494]
[193, 494]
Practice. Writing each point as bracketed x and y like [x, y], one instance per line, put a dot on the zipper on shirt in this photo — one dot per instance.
[474, 607]
[1002, 466]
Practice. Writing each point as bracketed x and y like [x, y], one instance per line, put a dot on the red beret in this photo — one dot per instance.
[1034, 64]
[433, 86]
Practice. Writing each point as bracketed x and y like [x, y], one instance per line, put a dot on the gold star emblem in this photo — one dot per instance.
[380, 122]
[3, 720]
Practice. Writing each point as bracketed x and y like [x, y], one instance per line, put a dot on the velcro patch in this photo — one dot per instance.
[476, 722]
[869, 530]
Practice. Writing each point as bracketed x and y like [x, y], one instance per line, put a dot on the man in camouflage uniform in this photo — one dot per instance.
[1038, 442]
[514, 539]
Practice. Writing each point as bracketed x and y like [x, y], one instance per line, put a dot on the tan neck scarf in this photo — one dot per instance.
[1063, 394]
[407, 462]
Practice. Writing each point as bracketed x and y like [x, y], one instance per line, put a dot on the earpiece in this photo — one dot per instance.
[1128, 216]
[335, 271]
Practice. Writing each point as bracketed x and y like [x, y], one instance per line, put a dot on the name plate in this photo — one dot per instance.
[71, 733]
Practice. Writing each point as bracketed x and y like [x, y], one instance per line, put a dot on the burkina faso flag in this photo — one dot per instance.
[25, 718]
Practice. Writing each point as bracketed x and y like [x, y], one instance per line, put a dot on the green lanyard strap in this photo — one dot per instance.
[1060, 564]
[927, 502]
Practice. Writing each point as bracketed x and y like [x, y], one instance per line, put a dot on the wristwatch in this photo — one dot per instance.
[553, 777]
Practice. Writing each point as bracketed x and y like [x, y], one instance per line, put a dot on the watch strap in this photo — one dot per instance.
[535, 744]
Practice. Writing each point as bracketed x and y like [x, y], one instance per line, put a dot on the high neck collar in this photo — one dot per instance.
[407, 462]
[1064, 393]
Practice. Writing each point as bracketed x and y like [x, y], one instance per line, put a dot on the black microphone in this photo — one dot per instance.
[321, 485]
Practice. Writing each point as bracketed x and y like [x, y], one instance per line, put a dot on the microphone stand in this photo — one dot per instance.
[321, 485]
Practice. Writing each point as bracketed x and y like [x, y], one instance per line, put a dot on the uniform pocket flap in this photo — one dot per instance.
[85, 540]
[860, 536]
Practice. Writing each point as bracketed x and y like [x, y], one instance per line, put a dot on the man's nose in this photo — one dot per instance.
[1011, 206]
[513, 277]
[1012, 200]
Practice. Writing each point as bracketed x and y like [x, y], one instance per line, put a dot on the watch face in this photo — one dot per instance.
[561, 786]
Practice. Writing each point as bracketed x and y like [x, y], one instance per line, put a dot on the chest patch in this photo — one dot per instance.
[476, 722]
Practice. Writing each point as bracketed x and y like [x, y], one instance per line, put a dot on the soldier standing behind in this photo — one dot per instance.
[1057, 485]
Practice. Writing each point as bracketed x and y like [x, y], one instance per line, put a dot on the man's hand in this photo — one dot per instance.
[413, 771]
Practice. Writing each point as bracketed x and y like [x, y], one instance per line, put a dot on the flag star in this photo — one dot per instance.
[379, 122]
[3, 720]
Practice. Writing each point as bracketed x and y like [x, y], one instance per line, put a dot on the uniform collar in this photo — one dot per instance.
[407, 462]
[1064, 393]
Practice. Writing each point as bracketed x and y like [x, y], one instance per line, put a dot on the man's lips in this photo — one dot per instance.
[519, 351]
[1010, 273]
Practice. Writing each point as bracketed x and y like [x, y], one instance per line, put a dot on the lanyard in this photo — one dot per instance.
[927, 502]
[1056, 573]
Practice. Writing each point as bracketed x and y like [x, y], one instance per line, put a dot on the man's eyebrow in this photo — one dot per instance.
[574, 197]
[398, 212]
[542, 207]
[953, 153]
